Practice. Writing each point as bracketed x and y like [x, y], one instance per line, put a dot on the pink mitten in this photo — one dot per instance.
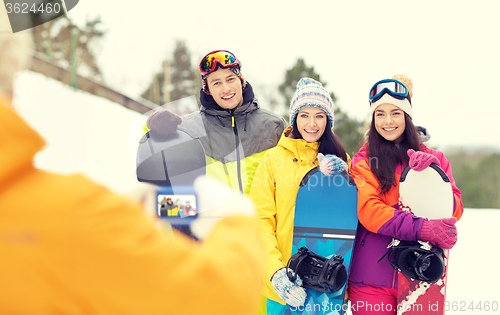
[440, 232]
[419, 161]
[163, 122]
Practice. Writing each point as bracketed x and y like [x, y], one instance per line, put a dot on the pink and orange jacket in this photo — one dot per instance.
[381, 221]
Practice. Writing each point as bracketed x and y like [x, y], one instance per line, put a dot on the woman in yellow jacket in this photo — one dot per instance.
[278, 176]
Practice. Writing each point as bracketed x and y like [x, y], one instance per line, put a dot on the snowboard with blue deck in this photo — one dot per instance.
[325, 222]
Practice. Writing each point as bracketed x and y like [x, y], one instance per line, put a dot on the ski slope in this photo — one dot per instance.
[98, 138]
[85, 133]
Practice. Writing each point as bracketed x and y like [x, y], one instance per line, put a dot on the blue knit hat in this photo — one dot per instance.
[311, 93]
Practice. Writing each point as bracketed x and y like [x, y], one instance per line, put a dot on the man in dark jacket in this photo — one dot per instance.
[234, 131]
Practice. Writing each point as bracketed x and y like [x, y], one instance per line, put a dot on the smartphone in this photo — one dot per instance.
[178, 205]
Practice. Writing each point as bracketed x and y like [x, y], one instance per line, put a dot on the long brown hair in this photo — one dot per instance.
[384, 156]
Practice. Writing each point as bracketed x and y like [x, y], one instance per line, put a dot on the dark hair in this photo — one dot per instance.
[329, 143]
[386, 155]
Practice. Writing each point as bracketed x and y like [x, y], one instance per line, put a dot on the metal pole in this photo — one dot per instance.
[74, 45]
[64, 8]
[166, 83]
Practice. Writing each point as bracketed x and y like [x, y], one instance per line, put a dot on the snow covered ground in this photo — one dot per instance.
[85, 133]
[473, 267]
[97, 137]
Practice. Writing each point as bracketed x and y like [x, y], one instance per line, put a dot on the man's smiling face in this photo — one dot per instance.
[225, 87]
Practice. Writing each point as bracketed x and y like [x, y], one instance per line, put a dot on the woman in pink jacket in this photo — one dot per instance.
[393, 143]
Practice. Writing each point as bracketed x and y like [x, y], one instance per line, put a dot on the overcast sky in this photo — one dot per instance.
[449, 48]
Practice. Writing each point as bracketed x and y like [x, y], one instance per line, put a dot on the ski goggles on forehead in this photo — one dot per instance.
[395, 88]
[224, 58]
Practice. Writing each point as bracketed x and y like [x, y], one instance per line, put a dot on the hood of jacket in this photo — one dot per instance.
[18, 142]
[224, 116]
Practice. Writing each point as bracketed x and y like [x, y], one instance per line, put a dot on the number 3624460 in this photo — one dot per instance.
[463, 306]
[34, 8]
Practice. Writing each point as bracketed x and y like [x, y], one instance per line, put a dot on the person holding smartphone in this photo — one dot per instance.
[81, 249]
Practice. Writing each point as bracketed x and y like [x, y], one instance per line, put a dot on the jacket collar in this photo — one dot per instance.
[18, 142]
[299, 147]
[361, 155]
[246, 108]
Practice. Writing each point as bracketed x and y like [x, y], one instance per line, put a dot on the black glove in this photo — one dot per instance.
[163, 122]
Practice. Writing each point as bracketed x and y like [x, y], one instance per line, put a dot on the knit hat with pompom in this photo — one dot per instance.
[311, 93]
[404, 104]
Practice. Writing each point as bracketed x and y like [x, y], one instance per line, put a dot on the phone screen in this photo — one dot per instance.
[177, 204]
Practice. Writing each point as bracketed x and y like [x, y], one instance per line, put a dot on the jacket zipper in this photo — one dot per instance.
[236, 141]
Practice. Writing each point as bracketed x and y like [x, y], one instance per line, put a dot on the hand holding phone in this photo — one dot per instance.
[215, 202]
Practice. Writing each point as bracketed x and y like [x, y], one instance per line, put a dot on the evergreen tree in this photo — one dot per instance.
[292, 77]
[59, 38]
[349, 130]
[477, 175]
[182, 73]
[175, 80]
[488, 174]
[155, 92]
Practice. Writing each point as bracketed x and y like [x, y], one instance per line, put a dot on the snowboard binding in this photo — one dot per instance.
[317, 272]
[416, 259]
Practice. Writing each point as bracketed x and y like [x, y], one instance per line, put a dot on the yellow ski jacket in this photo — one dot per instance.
[69, 246]
[274, 190]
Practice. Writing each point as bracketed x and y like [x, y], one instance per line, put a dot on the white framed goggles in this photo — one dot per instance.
[395, 88]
